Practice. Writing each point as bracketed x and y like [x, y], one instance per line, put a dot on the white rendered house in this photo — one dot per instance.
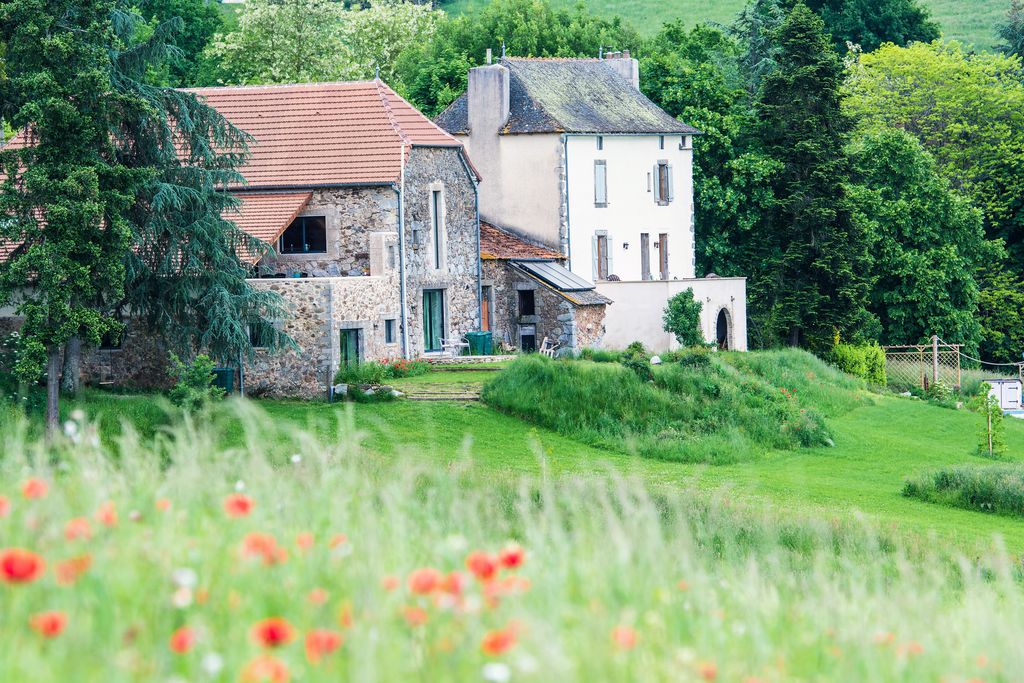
[574, 156]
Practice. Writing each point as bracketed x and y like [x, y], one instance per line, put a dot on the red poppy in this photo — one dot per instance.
[182, 640]
[273, 632]
[107, 514]
[68, 571]
[415, 616]
[163, 504]
[265, 669]
[512, 556]
[345, 615]
[34, 488]
[708, 670]
[425, 580]
[337, 540]
[238, 505]
[481, 565]
[498, 642]
[454, 583]
[322, 642]
[304, 540]
[48, 624]
[317, 596]
[264, 546]
[77, 528]
[390, 583]
[5, 506]
[624, 637]
[20, 566]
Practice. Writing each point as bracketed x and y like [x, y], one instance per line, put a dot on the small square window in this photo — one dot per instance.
[390, 328]
[527, 302]
[306, 235]
[261, 334]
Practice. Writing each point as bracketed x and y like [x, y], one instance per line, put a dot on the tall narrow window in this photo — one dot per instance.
[663, 255]
[661, 142]
[349, 339]
[601, 256]
[600, 142]
[486, 299]
[601, 183]
[390, 327]
[433, 319]
[663, 183]
[645, 256]
[436, 225]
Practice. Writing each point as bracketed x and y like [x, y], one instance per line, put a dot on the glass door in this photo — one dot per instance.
[349, 347]
[433, 319]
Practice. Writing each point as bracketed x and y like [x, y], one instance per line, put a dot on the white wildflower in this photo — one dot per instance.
[496, 672]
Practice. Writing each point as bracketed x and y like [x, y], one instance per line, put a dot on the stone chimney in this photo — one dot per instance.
[626, 66]
[487, 98]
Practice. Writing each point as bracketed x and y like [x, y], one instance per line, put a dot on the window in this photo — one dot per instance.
[600, 142]
[663, 183]
[390, 328]
[112, 341]
[645, 256]
[527, 302]
[261, 334]
[528, 337]
[433, 319]
[392, 258]
[436, 225]
[306, 235]
[601, 257]
[661, 142]
[663, 255]
[601, 183]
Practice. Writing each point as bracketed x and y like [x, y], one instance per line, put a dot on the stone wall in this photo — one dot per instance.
[141, 362]
[320, 309]
[352, 215]
[429, 169]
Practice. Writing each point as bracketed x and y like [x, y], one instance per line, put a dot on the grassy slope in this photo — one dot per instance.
[877, 447]
[972, 21]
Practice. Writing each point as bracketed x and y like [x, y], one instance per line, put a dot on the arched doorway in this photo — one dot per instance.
[723, 331]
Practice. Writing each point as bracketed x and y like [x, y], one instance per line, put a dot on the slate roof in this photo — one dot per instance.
[570, 96]
[319, 134]
[499, 244]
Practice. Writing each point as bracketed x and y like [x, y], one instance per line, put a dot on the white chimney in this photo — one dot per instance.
[625, 66]
[487, 98]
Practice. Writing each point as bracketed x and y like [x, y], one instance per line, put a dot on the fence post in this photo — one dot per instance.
[935, 359]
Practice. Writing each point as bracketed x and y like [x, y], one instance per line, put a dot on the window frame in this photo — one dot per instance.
[271, 324]
[600, 183]
[390, 331]
[530, 300]
[302, 220]
[437, 226]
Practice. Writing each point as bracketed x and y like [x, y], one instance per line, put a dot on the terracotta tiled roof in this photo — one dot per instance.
[265, 215]
[496, 243]
[325, 133]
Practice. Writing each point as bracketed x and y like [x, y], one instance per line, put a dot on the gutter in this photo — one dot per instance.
[479, 263]
[400, 190]
[564, 238]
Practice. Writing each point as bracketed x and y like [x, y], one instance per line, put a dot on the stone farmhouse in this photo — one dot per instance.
[578, 160]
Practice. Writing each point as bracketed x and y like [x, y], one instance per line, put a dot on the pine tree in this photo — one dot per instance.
[809, 258]
[1011, 31]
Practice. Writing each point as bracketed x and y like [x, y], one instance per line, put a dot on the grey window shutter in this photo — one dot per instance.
[593, 254]
[657, 183]
[608, 252]
[600, 183]
[671, 184]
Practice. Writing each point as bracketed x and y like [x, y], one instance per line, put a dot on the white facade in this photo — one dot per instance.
[634, 223]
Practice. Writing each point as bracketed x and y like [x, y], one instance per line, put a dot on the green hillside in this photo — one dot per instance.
[971, 21]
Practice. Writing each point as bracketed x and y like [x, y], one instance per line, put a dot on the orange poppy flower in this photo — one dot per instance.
[265, 669]
[305, 541]
[415, 616]
[273, 632]
[77, 528]
[512, 556]
[481, 565]
[317, 596]
[18, 565]
[454, 583]
[322, 642]
[624, 637]
[162, 504]
[48, 624]
[70, 570]
[337, 540]
[425, 580]
[107, 514]
[34, 488]
[345, 615]
[5, 506]
[390, 583]
[498, 642]
[238, 505]
[264, 546]
[708, 670]
[182, 640]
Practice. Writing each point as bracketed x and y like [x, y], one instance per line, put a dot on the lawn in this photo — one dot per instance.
[971, 21]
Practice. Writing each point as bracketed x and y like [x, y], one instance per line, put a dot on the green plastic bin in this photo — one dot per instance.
[225, 379]
[480, 343]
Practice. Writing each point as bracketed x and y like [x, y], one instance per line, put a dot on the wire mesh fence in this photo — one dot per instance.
[923, 365]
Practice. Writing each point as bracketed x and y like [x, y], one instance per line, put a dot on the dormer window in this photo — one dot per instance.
[306, 235]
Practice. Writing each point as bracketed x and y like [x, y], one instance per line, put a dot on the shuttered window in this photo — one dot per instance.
[663, 184]
[600, 183]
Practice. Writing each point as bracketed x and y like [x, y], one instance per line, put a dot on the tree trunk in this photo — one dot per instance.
[794, 336]
[71, 376]
[52, 390]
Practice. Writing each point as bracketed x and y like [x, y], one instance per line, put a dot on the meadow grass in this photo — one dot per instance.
[996, 489]
[720, 410]
[620, 581]
[970, 21]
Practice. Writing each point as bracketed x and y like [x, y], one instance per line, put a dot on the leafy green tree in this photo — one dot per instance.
[696, 75]
[65, 196]
[1000, 312]
[1011, 30]
[967, 109]
[927, 243]
[201, 20]
[870, 23]
[808, 260]
[755, 28]
[682, 318]
[375, 37]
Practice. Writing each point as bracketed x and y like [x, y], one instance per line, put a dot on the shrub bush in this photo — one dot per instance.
[379, 371]
[682, 318]
[993, 488]
[866, 361]
[194, 388]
